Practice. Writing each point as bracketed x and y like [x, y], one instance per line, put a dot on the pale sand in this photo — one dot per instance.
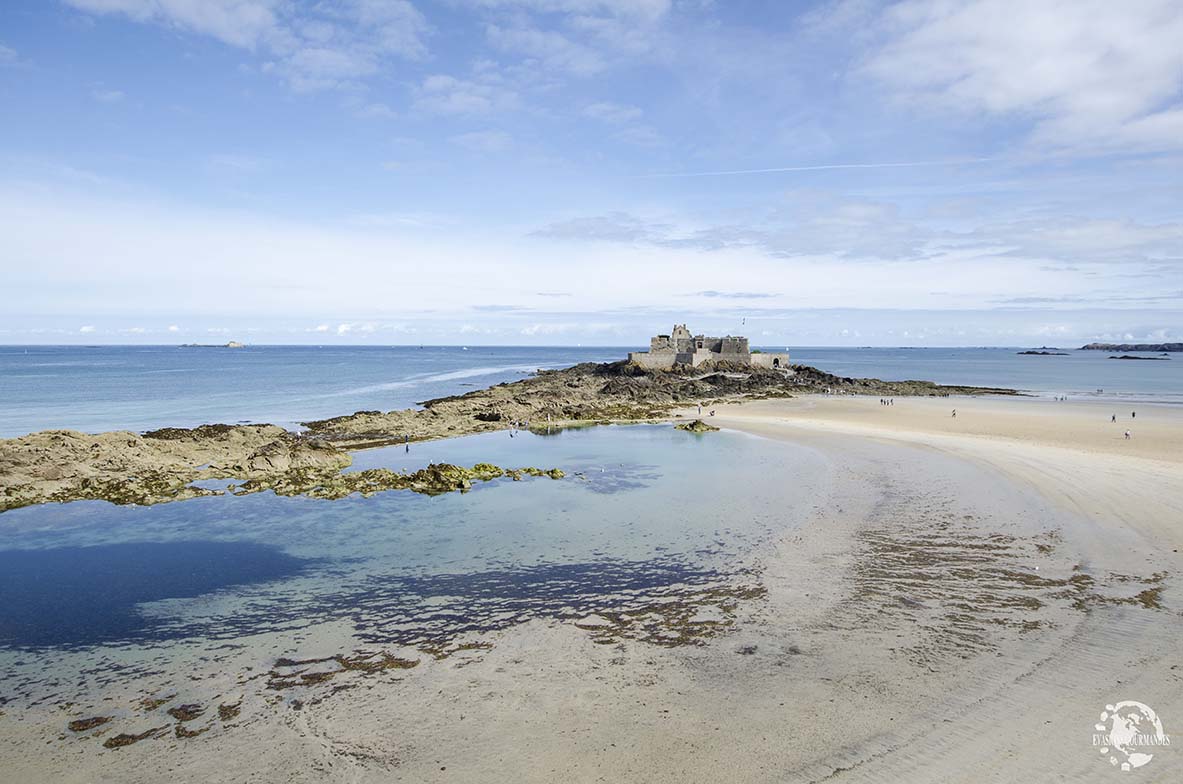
[922, 626]
[1072, 452]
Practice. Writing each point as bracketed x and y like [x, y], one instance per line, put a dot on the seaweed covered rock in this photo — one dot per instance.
[162, 465]
[435, 479]
[85, 725]
[697, 426]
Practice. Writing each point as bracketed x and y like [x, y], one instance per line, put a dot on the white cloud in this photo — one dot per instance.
[552, 49]
[363, 329]
[813, 226]
[1086, 73]
[802, 253]
[444, 94]
[1055, 262]
[646, 10]
[245, 23]
[624, 117]
[236, 162]
[86, 330]
[107, 96]
[613, 113]
[375, 111]
[569, 328]
[484, 141]
[640, 135]
[8, 55]
[173, 328]
[1075, 239]
[311, 46]
[396, 25]
[561, 38]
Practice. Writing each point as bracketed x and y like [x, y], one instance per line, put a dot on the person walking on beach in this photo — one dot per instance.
[1114, 419]
[1133, 415]
[1127, 435]
[954, 413]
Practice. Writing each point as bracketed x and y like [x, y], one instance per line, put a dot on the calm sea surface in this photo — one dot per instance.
[142, 387]
[629, 522]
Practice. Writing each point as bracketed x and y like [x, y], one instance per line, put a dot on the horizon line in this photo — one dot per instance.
[539, 345]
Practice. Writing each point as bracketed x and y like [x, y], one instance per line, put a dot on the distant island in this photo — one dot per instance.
[231, 344]
[1044, 353]
[1133, 347]
[1149, 359]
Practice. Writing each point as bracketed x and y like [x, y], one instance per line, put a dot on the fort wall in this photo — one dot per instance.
[681, 348]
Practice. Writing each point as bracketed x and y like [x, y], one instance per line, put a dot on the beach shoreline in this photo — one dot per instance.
[963, 600]
[166, 464]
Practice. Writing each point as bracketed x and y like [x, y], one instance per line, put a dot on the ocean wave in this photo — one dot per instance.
[431, 378]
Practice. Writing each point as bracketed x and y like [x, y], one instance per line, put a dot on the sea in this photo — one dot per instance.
[97, 388]
[104, 605]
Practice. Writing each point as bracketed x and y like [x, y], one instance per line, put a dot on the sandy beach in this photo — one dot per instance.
[963, 600]
[1122, 500]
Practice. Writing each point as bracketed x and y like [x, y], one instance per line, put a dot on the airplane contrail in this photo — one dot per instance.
[823, 167]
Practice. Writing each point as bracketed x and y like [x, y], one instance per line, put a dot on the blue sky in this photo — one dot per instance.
[590, 171]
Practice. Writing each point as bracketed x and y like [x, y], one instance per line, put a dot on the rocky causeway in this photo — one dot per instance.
[161, 465]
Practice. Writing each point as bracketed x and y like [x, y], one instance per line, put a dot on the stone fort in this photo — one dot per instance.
[681, 348]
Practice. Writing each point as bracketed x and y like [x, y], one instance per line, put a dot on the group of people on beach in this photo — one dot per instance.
[887, 401]
[1128, 434]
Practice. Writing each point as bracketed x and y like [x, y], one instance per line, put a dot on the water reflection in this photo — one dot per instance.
[647, 516]
[83, 596]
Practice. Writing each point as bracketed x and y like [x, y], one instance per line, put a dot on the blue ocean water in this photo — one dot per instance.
[1079, 374]
[142, 387]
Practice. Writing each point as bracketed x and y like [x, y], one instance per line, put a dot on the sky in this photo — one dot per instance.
[561, 172]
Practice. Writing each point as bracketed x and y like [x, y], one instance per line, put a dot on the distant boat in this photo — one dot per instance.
[464, 348]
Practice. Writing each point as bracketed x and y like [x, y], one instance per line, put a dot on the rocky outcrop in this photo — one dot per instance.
[1150, 359]
[130, 468]
[1133, 347]
[161, 465]
[436, 479]
[618, 391]
[697, 426]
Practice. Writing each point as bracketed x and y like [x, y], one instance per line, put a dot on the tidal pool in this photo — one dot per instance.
[646, 514]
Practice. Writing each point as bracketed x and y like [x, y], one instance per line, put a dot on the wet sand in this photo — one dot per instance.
[963, 600]
[1117, 510]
